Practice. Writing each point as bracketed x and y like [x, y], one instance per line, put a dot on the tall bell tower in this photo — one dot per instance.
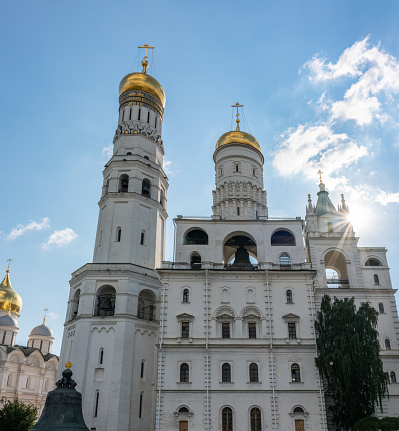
[112, 319]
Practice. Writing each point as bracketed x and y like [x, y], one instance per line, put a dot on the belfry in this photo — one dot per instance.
[222, 337]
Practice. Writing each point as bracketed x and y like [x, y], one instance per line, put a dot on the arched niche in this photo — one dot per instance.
[335, 263]
[146, 305]
[373, 261]
[105, 301]
[240, 251]
[195, 236]
[282, 238]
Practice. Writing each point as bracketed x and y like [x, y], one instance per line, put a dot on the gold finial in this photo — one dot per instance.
[144, 63]
[45, 312]
[237, 105]
[9, 262]
[319, 173]
[68, 365]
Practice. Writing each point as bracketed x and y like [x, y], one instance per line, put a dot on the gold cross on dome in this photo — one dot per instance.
[68, 365]
[319, 173]
[9, 261]
[144, 63]
[45, 312]
[237, 105]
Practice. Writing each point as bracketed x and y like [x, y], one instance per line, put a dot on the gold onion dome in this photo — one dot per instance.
[238, 137]
[139, 81]
[9, 298]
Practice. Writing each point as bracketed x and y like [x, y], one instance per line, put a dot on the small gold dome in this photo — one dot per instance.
[142, 82]
[9, 298]
[238, 137]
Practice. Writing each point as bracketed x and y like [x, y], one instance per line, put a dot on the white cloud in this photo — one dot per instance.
[43, 223]
[108, 151]
[59, 238]
[52, 315]
[307, 149]
[386, 198]
[167, 167]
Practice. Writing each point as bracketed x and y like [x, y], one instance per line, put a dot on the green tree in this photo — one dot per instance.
[349, 359]
[17, 416]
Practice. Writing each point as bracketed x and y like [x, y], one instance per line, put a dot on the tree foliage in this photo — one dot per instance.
[372, 423]
[349, 359]
[17, 416]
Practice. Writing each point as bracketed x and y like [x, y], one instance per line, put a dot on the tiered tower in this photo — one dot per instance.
[112, 319]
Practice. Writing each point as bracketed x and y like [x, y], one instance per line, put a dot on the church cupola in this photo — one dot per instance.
[41, 337]
[239, 190]
[9, 298]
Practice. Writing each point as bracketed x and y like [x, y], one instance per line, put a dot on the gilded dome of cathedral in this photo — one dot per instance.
[9, 298]
[238, 137]
[142, 82]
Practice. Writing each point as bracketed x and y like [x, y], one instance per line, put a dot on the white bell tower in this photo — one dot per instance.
[111, 328]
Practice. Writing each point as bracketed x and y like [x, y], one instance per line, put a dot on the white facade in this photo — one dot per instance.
[223, 337]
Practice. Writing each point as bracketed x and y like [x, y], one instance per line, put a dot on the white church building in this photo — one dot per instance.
[221, 338]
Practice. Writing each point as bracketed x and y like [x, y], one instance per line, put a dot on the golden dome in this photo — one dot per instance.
[238, 137]
[142, 82]
[9, 298]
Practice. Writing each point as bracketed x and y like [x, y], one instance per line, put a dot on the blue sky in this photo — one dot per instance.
[319, 81]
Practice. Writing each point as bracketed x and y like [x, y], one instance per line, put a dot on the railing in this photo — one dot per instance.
[338, 282]
[248, 267]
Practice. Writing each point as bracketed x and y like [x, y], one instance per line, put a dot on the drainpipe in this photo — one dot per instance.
[160, 356]
[206, 348]
[311, 292]
[271, 350]
[174, 243]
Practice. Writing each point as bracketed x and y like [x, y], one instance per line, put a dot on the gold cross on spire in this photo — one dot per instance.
[45, 312]
[319, 173]
[237, 105]
[9, 261]
[144, 63]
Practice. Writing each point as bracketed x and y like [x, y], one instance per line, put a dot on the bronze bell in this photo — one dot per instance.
[241, 258]
[106, 305]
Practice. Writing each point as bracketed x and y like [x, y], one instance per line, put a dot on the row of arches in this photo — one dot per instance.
[123, 186]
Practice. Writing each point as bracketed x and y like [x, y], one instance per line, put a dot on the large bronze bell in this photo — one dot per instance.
[106, 305]
[241, 258]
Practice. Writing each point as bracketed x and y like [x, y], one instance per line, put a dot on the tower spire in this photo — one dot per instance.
[144, 63]
[237, 105]
[319, 173]
[45, 313]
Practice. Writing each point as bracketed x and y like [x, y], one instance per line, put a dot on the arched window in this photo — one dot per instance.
[288, 294]
[146, 188]
[381, 307]
[142, 238]
[142, 370]
[184, 373]
[284, 260]
[227, 419]
[282, 238]
[146, 157]
[295, 373]
[387, 344]
[195, 237]
[376, 279]
[226, 373]
[183, 410]
[75, 304]
[330, 227]
[298, 410]
[186, 295]
[128, 153]
[118, 234]
[253, 373]
[393, 377]
[96, 398]
[101, 357]
[146, 305]
[123, 183]
[256, 419]
[373, 262]
[28, 382]
[195, 261]
[105, 306]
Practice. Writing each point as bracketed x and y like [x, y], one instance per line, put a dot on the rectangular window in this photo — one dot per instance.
[156, 118]
[141, 405]
[238, 210]
[185, 329]
[251, 330]
[225, 330]
[148, 117]
[138, 117]
[96, 404]
[291, 330]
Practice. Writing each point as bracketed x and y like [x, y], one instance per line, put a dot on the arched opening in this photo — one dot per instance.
[184, 373]
[195, 261]
[183, 410]
[195, 237]
[373, 262]
[142, 370]
[226, 373]
[129, 153]
[283, 238]
[240, 253]
[298, 410]
[330, 227]
[227, 419]
[256, 419]
[387, 344]
[146, 188]
[101, 356]
[123, 183]
[336, 269]
[146, 157]
[381, 307]
[253, 373]
[285, 261]
[376, 279]
[146, 305]
[118, 234]
[393, 377]
[75, 304]
[288, 295]
[186, 295]
[105, 305]
[142, 238]
[295, 373]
